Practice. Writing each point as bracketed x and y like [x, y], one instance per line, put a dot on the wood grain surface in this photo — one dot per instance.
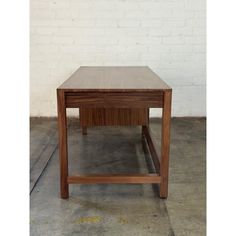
[110, 78]
[115, 96]
[114, 178]
[113, 116]
[112, 99]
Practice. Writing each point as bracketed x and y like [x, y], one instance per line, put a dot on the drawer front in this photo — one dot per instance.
[114, 100]
[113, 116]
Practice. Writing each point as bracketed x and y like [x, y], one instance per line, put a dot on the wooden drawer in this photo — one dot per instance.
[114, 99]
[113, 116]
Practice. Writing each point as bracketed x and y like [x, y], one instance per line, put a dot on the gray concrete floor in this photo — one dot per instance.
[122, 209]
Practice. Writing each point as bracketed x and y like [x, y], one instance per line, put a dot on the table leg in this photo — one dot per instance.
[165, 144]
[84, 130]
[147, 124]
[63, 152]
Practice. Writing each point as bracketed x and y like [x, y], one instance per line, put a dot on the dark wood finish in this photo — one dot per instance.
[114, 99]
[148, 112]
[62, 130]
[115, 179]
[113, 116]
[84, 130]
[165, 144]
[114, 78]
[115, 96]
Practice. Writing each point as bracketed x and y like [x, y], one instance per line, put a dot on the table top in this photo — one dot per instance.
[114, 78]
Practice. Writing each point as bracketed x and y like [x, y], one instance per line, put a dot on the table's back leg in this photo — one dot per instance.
[147, 122]
[84, 130]
[165, 144]
[63, 152]
[84, 114]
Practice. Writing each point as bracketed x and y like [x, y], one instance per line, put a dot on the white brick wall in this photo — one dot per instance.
[167, 35]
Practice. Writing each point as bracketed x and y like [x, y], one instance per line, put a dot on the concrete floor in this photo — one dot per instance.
[121, 209]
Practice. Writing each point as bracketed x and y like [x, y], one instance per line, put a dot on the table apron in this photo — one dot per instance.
[114, 100]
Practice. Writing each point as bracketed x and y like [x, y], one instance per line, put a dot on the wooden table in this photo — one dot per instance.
[115, 96]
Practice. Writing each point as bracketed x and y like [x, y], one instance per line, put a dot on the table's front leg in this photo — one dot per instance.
[63, 152]
[165, 144]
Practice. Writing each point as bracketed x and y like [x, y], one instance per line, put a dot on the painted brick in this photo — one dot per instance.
[169, 36]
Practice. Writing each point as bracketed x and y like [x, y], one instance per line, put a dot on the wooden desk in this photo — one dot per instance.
[115, 96]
